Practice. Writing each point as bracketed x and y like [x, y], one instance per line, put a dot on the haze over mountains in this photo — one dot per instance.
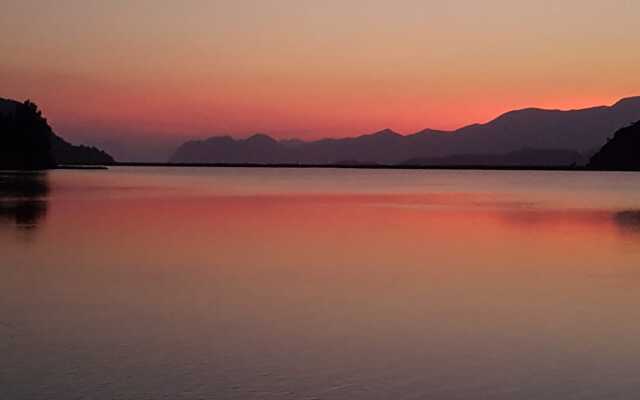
[547, 137]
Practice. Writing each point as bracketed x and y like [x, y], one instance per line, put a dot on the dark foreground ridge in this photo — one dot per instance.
[620, 153]
[27, 142]
[25, 137]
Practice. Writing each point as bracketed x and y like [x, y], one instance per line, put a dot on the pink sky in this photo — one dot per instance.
[132, 69]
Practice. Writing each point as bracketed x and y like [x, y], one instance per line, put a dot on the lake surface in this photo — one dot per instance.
[160, 283]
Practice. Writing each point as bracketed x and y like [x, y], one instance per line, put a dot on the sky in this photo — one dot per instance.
[153, 72]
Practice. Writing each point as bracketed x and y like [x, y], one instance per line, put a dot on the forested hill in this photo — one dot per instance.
[28, 142]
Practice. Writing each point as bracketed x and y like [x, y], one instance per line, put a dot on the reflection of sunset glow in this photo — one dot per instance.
[297, 278]
[431, 231]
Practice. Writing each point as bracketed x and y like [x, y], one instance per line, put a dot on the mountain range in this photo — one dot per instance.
[555, 137]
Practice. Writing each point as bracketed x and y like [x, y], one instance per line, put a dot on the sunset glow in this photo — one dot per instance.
[310, 69]
[337, 199]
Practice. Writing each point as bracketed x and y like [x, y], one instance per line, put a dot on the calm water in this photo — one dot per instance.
[319, 284]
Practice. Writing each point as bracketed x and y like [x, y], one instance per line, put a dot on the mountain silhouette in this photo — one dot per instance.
[28, 142]
[622, 152]
[573, 131]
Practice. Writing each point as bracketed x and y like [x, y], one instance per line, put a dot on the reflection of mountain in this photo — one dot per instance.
[28, 142]
[628, 220]
[544, 218]
[622, 152]
[578, 131]
[23, 198]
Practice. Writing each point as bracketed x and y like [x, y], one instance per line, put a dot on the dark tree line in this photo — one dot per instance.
[28, 142]
[25, 138]
[622, 152]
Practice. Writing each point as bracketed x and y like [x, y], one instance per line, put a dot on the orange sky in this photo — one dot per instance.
[127, 69]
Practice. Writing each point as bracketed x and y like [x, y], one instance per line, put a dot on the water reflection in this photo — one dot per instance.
[628, 220]
[292, 284]
[23, 198]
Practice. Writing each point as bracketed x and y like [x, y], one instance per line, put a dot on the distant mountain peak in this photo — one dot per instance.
[387, 131]
[261, 137]
[514, 114]
[429, 131]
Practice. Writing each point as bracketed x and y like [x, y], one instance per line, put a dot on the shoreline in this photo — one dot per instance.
[365, 166]
[330, 166]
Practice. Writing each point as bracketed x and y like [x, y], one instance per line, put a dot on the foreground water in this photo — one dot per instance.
[319, 284]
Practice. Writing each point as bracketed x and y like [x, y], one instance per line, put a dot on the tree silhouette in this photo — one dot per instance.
[28, 142]
[26, 139]
[622, 152]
